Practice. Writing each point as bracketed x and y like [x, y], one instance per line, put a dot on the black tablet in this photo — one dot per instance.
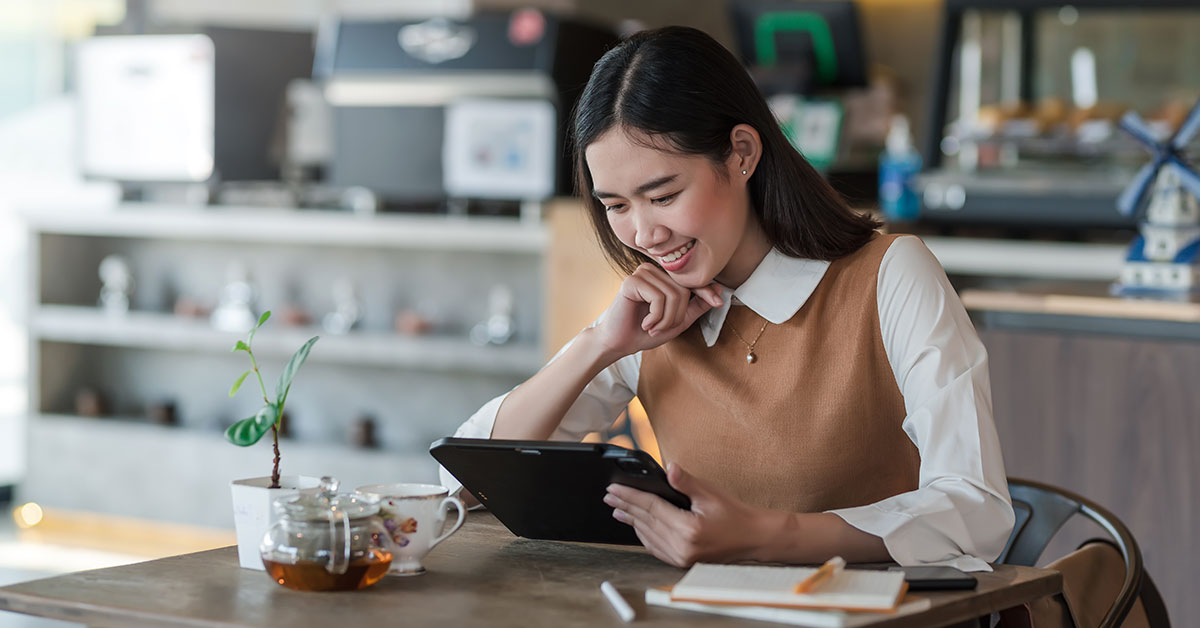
[553, 490]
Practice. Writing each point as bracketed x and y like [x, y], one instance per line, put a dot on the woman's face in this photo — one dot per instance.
[678, 210]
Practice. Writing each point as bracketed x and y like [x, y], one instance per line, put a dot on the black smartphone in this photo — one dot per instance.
[935, 578]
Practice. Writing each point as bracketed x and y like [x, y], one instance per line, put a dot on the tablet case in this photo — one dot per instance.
[553, 490]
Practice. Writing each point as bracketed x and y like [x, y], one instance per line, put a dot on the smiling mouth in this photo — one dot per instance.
[677, 253]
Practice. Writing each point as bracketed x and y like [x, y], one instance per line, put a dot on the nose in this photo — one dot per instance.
[650, 233]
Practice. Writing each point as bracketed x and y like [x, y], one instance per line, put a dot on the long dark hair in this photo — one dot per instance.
[679, 86]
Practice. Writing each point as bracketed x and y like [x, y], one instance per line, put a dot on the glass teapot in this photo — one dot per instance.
[325, 541]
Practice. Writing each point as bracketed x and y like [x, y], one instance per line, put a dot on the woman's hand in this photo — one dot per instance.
[651, 309]
[718, 528]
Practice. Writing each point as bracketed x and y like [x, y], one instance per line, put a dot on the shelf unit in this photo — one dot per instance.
[327, 228]
[414, 388]
[148, 330]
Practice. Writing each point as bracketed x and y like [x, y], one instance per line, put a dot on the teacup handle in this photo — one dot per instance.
[462, 512]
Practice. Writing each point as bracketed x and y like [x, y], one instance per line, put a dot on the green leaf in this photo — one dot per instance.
[238, 384]
[240, 346]
[245, 432]
[261, 319]
[249, 430]
[285, 378]
[267, 416]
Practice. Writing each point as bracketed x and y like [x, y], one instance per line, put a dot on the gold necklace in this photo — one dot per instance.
[751, 357]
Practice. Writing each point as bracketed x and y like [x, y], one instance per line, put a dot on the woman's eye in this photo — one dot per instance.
[614, 208]
[663, 200]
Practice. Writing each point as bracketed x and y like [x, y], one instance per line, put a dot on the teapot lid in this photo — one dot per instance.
[326, 504]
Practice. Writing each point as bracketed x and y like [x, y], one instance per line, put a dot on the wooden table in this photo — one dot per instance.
[481, 576]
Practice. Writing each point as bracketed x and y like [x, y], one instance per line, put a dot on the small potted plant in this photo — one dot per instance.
[252, 498]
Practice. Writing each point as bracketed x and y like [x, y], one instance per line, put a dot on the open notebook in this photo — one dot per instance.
[848, 589]
[808, 617]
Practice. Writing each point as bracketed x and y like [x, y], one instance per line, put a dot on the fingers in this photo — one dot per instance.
[696, 308]
[668, 300]
[648, 510]
[653, 543]
[668, 304]
[715, 528]
[711, 294]
[657, 302]
[640, 504]
[702, 494]
[672, 307]
[657, 543]
[652, 518]
[702, 300]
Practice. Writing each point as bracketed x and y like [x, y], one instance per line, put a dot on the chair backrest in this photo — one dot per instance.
[1042, 509]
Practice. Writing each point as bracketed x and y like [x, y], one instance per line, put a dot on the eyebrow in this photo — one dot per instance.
[641, 189]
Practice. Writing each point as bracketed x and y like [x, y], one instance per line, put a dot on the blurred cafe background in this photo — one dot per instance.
[390, 175]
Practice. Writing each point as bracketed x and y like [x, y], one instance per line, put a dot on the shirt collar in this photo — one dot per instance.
[776, 290]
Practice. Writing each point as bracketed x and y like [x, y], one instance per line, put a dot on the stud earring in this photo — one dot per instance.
[743, 172]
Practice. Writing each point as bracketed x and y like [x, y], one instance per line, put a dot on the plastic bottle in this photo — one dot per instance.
[898, 167]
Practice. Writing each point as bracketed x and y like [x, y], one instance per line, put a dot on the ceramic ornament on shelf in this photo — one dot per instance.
[117, 284]
[347, 310]
[1165, 256]
[234, 312]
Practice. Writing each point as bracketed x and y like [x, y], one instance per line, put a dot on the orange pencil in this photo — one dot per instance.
[824, 572]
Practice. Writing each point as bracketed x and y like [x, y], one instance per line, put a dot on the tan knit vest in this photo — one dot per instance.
[813, 425]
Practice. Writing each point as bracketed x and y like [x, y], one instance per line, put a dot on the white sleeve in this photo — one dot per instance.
[960, 514]
[600, 403]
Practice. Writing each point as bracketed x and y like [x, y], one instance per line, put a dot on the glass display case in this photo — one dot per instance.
[1023, 128]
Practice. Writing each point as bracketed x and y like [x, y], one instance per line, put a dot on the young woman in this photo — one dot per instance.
[815, 387]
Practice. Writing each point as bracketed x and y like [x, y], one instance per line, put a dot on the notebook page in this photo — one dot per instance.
[812, 618]
[849, 588]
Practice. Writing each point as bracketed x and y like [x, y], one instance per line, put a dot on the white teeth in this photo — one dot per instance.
[678, 253]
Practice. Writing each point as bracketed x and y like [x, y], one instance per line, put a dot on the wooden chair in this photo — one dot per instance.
[1042, 509]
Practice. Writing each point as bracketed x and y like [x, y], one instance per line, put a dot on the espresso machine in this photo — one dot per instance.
[453, 115]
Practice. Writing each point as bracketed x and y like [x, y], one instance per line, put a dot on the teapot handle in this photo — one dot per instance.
[339, 562]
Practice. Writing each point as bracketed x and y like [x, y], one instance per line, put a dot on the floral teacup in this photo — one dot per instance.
[413, 516]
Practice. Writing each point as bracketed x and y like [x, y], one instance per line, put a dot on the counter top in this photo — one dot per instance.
[1086, 308]
[1080, 299]
[481, 576]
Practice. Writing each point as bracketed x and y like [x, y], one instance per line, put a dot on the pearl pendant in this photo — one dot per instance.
[751, 358]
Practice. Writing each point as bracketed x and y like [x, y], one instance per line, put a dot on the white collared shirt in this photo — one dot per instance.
[961, 514]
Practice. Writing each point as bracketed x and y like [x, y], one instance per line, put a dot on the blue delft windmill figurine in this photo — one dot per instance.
[1165, 258]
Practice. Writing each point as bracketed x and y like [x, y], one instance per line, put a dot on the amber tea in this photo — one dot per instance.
[360, 573]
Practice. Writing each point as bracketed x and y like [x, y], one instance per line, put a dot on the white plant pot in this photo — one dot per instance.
[252, 512]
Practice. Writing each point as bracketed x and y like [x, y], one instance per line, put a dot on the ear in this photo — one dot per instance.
[747, 150]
